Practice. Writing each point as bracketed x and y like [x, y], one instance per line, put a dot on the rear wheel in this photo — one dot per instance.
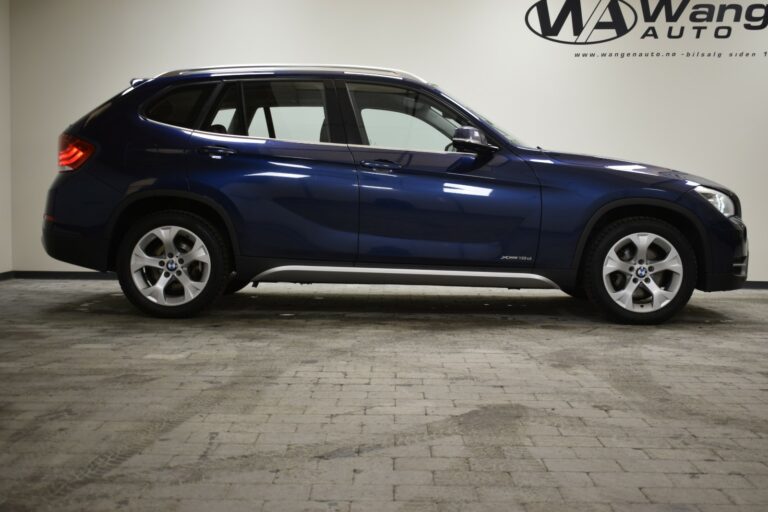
[172, 264]
[640, 270]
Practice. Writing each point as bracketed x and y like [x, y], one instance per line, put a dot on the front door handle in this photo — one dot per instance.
[380, 165]
[216, 152]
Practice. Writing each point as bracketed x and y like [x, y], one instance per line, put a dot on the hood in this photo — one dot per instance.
[622, 166]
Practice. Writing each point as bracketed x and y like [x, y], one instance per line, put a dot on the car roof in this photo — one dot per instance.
[279, 69]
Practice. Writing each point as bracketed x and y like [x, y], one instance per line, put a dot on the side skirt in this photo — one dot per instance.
[375, 275]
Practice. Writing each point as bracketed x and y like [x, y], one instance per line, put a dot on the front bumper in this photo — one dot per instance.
[731, 261]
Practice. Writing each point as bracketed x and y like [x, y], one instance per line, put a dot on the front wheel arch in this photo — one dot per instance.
[666, 211]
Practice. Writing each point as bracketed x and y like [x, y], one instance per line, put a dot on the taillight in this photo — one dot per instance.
[73, 152]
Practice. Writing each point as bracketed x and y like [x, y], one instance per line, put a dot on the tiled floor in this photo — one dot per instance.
[366, 399]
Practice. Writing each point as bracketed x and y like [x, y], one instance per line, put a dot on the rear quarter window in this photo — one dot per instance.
[179, 106]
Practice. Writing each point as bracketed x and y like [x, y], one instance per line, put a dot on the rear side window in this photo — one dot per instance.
[179, 106]
[287, 110]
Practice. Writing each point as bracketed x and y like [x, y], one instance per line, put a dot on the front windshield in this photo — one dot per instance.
[512, 139]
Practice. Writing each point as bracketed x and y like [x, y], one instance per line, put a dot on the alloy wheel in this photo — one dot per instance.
[643, 272]
[170, 265]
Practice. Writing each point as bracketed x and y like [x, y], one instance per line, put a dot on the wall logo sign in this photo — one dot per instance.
[600, 21]
[605, 21]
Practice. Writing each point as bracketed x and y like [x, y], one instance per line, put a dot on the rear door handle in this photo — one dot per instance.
[216, 152]
[380, 165]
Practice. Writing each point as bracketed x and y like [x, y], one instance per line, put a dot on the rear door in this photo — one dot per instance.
[272, 152]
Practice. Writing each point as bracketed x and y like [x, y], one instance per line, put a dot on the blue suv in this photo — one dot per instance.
[201, 181]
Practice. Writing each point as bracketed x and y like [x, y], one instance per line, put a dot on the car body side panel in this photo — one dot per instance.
[571, 196]
[287, 200]
[132, 155]
[448, 209]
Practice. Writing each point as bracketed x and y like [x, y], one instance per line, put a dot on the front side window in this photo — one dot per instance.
[179, 106]
[294, 111]
[399, 118]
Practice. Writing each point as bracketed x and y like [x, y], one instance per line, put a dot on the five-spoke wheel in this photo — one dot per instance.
[172, 264]
[640, 270]
[643, 272]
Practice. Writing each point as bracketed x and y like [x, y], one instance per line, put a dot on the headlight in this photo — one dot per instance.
[719, 200]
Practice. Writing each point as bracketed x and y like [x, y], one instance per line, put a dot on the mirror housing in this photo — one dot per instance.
[471, 140]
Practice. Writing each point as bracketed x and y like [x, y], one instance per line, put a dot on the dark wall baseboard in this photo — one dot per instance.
[35, 274]
[111, 276]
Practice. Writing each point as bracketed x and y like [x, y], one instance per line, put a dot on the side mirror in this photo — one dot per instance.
[471, 140]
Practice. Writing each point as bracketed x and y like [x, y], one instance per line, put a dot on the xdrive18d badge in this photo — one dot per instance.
[591, 21]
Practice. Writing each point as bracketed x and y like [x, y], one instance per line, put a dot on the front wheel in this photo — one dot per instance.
[640, 270]
[172, 264]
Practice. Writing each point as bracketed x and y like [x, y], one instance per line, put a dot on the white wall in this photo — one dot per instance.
[6, 253]
[704, 116]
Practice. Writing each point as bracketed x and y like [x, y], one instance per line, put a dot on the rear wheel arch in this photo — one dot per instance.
[143, 204]
[667, 211]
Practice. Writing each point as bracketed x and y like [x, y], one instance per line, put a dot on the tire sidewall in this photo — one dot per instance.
[219, 271]
[605, 241]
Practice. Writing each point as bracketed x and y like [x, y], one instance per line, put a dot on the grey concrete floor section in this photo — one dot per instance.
[364, 399]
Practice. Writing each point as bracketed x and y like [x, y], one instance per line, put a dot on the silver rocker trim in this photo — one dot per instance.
[373, 275]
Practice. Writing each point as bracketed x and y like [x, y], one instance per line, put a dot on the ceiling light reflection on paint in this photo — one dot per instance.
[376, 187]
[293, 166]
[467, 190]
[627, 168]
[272, 174]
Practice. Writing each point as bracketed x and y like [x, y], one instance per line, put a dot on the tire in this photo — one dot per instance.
[235, 285]
[640, 270]
[576, 292]
[172, 287]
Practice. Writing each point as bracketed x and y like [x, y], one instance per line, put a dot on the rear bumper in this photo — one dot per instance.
[72, 246]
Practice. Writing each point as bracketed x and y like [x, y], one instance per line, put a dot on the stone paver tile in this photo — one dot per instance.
[603, 494]
[683, 496]
[589, 465]
[352, 492]
[451, 493]
[709, 481]
[748, 496]
[393, 477]
[519, 494]
[624, 479]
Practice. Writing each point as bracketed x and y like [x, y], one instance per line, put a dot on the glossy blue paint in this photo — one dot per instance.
[290, 200]
[281, 201]
[448, 209]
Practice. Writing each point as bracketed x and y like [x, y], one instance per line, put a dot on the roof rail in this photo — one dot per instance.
[240, 67]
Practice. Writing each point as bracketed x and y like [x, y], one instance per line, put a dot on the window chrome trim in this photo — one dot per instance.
[402, 150]
[147, 119]
[264, 140]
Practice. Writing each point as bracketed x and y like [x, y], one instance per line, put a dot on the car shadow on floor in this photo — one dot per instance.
[250, 305]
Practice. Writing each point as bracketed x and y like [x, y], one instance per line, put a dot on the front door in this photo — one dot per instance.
[422, 202]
